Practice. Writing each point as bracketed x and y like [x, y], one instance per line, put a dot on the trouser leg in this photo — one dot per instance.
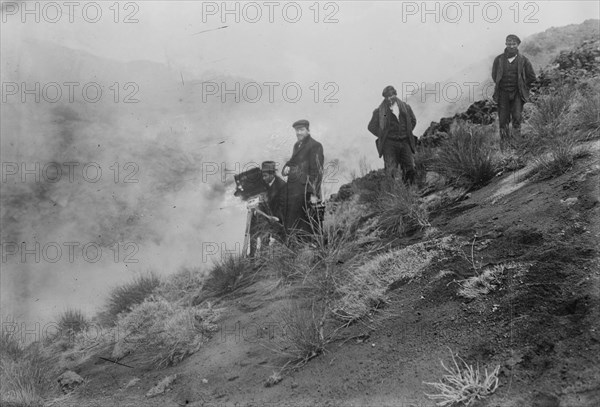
[516, 113]
[407, 163]
[391, 159]
[504, 118]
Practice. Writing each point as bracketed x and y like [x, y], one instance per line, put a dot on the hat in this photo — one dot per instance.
[301, 123]
[388, 91]
[513, 37]
[269, 166]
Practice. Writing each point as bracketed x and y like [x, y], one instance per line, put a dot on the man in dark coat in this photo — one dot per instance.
[274, 203]
[268, 217]
[393, 123]
[305, 175]
[513, 75]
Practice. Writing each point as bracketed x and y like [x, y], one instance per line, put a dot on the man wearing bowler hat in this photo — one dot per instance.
[393, 123]
[273, 204]
[267, 219]
[305, 174]
[513, 75]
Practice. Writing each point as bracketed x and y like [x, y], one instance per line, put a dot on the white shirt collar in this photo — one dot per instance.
[395, 109]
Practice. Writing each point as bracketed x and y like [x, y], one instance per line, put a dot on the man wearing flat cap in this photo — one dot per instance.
[305, 174]
[267, 220]
[393, 123]
[513, 75]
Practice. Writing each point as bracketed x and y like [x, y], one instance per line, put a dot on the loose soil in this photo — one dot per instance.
[541, 324]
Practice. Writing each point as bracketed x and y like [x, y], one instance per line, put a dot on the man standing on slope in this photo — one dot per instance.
[393, 123]
[513, 75]
[305, 174]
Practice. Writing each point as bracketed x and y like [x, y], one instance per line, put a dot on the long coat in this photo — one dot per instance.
[525, 75]
[306, 166]
[381, 132]
[304, 178]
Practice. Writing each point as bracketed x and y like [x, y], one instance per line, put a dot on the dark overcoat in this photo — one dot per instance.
[304, 178]
[380, 125]
[525, 75]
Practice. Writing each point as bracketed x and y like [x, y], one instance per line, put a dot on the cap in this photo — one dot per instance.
[301, 123]
[513, 37]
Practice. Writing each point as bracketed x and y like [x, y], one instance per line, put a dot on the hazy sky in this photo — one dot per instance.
[326, 38]
[340, 55]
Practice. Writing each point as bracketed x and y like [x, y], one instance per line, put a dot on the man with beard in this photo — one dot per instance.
[393, 123]
[513, 75]
[305, 174]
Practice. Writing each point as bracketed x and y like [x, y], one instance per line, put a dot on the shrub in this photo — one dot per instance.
[25, 380]
[400, 210]
[287, 263]
[124, 298]
[182, 286]
[228, 274]
[586, 109]
[424, 161]
[550, 120]
[463, 384]
[554, 126]
[9, 345]
[303, 334]
[73, 321]
[466, 158]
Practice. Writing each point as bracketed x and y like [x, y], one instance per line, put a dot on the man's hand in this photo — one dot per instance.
[285, 170]
[313, 199]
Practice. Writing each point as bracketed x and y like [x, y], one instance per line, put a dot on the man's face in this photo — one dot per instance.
[390, 99]
[268, 177]
[512, 44]
[301, 133]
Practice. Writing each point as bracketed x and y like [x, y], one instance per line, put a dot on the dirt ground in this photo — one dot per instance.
[541, 325]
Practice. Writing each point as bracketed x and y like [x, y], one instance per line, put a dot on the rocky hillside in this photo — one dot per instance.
[479, 286]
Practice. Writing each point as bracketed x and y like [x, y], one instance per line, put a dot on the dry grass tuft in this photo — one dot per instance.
[163, 333]
[364, 286]
[400, 210]
[466, 158]
[228, 274]
[481, 284]
[25, 374]
[463, 384]
[124, 297]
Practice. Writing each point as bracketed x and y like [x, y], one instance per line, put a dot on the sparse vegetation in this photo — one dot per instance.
[25, 374]
[228, 274]
[303, 332]
[182, 286]
[73, 321]
[424, 161]
[587, 109]
[364, 287]
[123, 298]
[466, 158]
[400, 210]
[552, 131]
[463, 384]
[481, 284]
[163, 333]
[550, 119]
